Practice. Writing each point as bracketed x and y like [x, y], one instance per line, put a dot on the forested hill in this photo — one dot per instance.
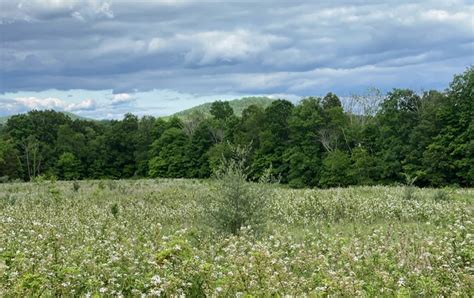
[238, 105]
[425, 139]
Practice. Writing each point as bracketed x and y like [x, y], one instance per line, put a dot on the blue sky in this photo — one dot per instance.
[101, 58]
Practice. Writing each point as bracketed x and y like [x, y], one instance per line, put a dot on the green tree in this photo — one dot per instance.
[250, 126]
[449, 158]
[144, 139]
[331, 101]
[274, 140]
[235, 202]
[398, 116]
[68, 167]
[335, 171]
[9, 160]
[221, 110]
[304, 153]
[170, 155]
[120, 146]
[34, 135]
[364, 170]
[200, 143]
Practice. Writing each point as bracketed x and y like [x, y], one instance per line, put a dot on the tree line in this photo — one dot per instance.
[427, 138]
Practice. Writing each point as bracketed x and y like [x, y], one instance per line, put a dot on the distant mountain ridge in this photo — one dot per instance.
[238, 105]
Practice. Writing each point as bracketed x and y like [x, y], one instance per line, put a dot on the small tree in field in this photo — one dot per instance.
[236, 203]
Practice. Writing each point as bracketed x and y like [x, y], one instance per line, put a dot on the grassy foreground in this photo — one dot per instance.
[150, 237]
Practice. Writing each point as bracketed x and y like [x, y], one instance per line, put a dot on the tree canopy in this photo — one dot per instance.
[315, 143]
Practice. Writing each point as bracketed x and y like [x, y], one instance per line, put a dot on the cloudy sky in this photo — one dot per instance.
[102, 58]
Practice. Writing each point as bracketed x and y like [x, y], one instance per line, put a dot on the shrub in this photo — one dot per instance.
[76, 186]
[409, 190]
[237, 203]
[114, 209]
[440, 195]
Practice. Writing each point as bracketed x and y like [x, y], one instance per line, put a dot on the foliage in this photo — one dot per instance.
[170, 151]
[221, 110]
[357, 241]
[335, 170]
[237, 105]
[315, 143]
[68, 166]
[236, 203]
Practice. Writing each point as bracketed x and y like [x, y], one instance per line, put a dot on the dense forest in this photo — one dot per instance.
[426, 139]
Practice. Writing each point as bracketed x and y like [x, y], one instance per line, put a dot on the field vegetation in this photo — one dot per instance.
[158, 237]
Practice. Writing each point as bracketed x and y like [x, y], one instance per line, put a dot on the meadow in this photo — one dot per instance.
[153, 238]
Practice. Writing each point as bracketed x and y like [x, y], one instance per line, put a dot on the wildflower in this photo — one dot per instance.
[155, 280]
[156, 292]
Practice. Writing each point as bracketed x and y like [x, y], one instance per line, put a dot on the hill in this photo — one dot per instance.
[239, 105]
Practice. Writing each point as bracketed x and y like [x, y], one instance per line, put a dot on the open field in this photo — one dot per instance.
[150, 237]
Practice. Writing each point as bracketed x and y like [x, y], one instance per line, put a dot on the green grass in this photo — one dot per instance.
[151, 237]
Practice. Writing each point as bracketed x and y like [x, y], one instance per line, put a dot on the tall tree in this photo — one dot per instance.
[169, 155]
[398, 116]
[449, 158]
[144, 139]
[305, 151]
[274, 139]
[9, 160]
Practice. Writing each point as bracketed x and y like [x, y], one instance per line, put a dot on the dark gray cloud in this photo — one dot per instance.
[243, 47]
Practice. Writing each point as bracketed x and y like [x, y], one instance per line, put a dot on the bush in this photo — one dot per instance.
[440, 195]
[409, 193]
[114, 209]
[409, 190]
[237, 203]
[76, 186]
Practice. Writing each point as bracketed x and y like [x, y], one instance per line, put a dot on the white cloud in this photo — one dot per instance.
[122, 98]
[33, 10]
[85, 105]
[156, 44]
[32, 102]
[438, 15]
[228, 47]
[221, 46]
[209, 47]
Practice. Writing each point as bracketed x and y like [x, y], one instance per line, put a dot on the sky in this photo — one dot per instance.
[104, 58]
